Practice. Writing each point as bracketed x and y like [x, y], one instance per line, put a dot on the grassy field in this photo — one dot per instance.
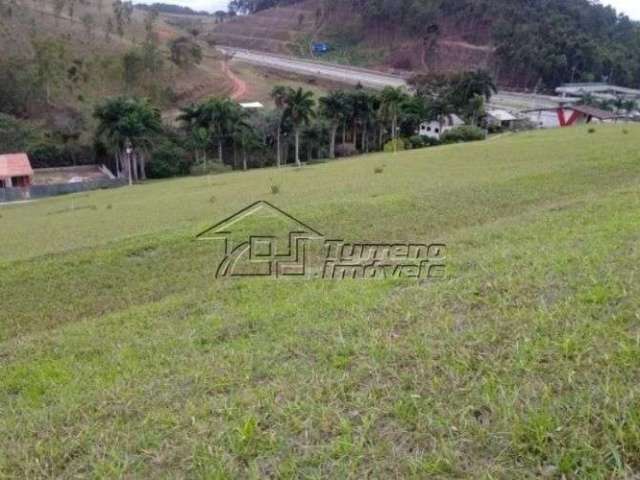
[122, 356]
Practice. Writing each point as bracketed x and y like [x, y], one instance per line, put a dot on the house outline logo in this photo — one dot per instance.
[261, 250]
[286, 254]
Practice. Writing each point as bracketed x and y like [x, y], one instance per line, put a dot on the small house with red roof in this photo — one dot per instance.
[15, 170]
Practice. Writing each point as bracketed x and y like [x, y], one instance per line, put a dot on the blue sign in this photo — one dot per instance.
[320, 48]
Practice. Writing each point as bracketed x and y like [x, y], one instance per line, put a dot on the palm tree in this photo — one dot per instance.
[279, 95]
[129, 125]
[332, 109]
[200, 137]
[314, 135]
[480, 83]
[414, 112]
[299, 109]
[249, 140]
[390, 101]
[220, 113]
[218, 116]
[476, 109]
[364, 108]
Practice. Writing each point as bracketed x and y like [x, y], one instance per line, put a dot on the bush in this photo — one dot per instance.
[47, 154]
[168, 159]
[401, 142]
[464, 133]
[16, 135]
[420, 141]
[211, 168]
[44, 148]
[417, 141]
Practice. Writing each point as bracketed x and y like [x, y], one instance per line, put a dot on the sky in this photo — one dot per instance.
[630, 7]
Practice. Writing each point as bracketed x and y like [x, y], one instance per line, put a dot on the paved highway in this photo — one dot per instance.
[338, 73]
[511, 101]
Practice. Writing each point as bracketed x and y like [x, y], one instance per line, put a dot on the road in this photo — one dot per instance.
[338, 73]
[511, 101]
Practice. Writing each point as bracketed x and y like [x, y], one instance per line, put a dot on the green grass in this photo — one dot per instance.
[122, 356]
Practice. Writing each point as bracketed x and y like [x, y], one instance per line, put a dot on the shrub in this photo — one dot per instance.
[378, 170]
[420, 141]
[417, 141]
[401, 145]
[46, 154]
[275, 189]
[168, 160]
[45, 148]
[431, 142]
[464, 133]
[211, 168]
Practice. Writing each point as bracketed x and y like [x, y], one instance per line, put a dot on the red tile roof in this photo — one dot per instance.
[15, 165]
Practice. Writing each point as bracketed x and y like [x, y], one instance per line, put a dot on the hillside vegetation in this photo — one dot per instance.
[59, 59]
[122, 356]
[527, 43]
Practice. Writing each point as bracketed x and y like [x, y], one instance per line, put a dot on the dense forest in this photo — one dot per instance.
[546, 41]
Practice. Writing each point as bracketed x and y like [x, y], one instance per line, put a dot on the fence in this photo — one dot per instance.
[41, 191]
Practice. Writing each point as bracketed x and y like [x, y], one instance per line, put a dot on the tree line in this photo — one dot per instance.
[218, 132]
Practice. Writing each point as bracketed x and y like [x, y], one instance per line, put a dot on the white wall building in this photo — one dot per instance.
[500, 118]
[435, 129]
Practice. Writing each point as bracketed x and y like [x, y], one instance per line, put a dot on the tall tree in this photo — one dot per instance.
[221, 117]
[249, 140]
[185, 52]
[279, 96]
[50, 60]
[129, 126]
[300, 104]
[332, 109]
[390, 101]
[363, 109]
[197, 130]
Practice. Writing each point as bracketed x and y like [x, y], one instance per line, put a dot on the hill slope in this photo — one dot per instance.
[525, 43]
[88, 60]
[277, 29]
[522, 362]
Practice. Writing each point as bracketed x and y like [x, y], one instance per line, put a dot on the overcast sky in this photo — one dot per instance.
[630, 7]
